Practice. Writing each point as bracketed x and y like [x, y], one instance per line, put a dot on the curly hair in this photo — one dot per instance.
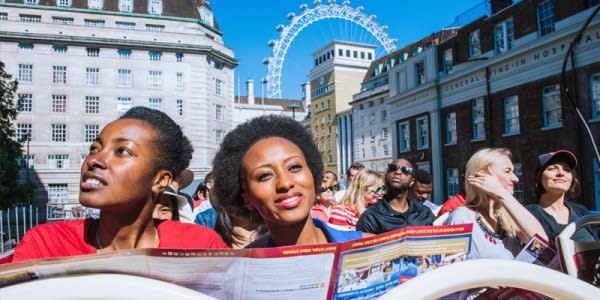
[228, 183]
[173, 149]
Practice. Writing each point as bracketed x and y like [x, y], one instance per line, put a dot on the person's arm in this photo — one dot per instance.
[527, 224]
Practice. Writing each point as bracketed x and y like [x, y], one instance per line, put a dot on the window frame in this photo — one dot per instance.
[422, 133]
[404, 137]
[451, 130]
[511, 114]
[507, 29]
[548, 93]
[545, 24]
[478, 119]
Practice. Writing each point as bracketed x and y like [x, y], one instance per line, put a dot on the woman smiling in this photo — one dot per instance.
[128, 166]
[271, 167]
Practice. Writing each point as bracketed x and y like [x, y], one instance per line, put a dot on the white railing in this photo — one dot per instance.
[14, 222]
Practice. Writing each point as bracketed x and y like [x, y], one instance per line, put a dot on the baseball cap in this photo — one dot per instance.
[559, 155]
[181, 200]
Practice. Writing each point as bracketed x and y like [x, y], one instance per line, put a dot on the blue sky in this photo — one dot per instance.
[247, 26]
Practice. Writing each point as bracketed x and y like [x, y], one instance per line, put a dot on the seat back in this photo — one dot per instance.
[580, 259]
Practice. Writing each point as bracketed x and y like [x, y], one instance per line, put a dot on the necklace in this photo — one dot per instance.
[101, 249]
[489, 235]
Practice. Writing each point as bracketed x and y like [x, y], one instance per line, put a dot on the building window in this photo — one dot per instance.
[384, 115]
[474, 43]
[384, 133]
[59, 103]
[92, 76]
[154, 27]
[59, 50]
[62, 20]
[504, 36]
[595, 95]
[448, 61]
[23, 132]
[422, 133]
[95, 4]
[451, 128]
[551, 106]
[24, 102]
[33, 2]
[25, 48]
[206, 15]
[372, 134]
[155, 103]
[124, 78]
[404, 137]
[3, 16]
[58, 161]
[154, 55]
[373, 150]
[58, 192]
[478, 116]
[219, 134]
[90, 132]
[453, 184]
[386, 151]
[179, 107]
[123, 104]
[94, 23]
[64, 3]
[218, 85]
[219, 112]
[124, 53]
[511, 115]
[92, 104]
[125, 25]
[25, 73]
[59, 133]
[420, 73]
[93, 52]
[372, 118]
[545, 17]
[26, 162]
[155, 79]
[59, 74]
[178, 57]
[155, 7]
[125, 5]
[179, 80]
[30, 18]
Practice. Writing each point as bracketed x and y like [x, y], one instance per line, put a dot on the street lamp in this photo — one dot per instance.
[293, 107]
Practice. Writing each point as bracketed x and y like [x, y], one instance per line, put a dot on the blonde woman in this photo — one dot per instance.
[500, 223]
[365, 189]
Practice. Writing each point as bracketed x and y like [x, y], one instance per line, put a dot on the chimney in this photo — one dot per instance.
[250, 90]
[498, 5]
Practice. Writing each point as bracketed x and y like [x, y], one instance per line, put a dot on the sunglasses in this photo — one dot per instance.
[325, 189]
[404, 169]
[376, 189]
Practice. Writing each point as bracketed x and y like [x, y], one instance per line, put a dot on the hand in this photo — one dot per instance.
[488, 184]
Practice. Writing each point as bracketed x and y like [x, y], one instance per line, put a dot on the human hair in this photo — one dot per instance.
[332, 173]
[227, 220]
[201, 188]
[227, 172]
[354, 166]
[422, 176]
[173, 149]
[479, 200]
[354, 197]
[539, 190]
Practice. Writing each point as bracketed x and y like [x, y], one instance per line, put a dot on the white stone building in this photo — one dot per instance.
[80, 64]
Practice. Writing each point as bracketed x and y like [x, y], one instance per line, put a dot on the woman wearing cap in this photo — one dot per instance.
[365, 189]
[555, 185]
[501, 223]
[271, 166]
[129, 164]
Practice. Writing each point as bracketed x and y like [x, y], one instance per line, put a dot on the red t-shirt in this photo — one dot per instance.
[67, 238]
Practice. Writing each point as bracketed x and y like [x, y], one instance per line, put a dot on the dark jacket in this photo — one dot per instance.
[381, 217]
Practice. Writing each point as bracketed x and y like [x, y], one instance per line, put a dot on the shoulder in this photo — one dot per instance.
[460, 215]
[336, 235]
[580, 209]
[174, 234]
[66, 238]
[535, 209]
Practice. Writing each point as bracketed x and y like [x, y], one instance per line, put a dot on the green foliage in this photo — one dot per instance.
[11, 191]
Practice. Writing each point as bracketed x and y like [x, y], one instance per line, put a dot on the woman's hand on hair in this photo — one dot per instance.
[488, 183]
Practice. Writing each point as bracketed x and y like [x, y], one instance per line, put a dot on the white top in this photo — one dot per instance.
[337, 197]
[482, 247]
[434, 207]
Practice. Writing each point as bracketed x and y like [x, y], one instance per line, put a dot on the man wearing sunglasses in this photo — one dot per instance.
[396, 210]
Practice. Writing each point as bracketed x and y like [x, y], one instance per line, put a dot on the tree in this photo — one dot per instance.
[11, 191]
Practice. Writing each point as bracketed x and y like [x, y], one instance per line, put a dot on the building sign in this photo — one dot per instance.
[417, 98]
[462, 83]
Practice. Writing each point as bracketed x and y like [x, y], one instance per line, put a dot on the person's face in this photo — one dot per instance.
[504, 170]
[352, 173]
[557, 178]
[329, 179]
[278, 182]
[119, 167]
[374, 193]
[421, 191]
[163, 209]
[401, 177]
[325, 195]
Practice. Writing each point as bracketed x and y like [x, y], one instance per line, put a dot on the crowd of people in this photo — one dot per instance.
[268, 188]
